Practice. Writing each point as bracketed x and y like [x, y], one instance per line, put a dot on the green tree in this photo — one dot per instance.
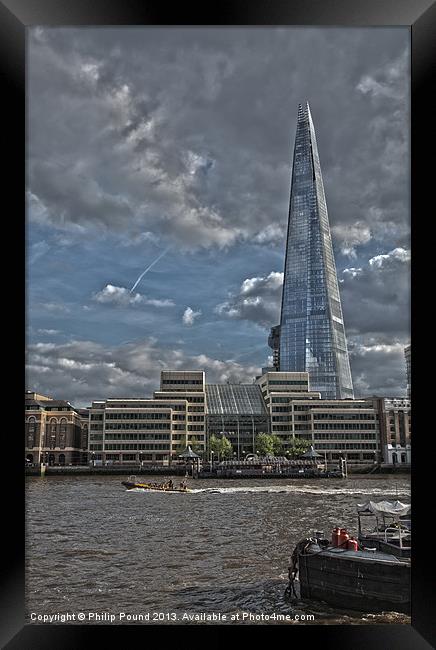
[265, 444]
[277, 445]
[196, 446]
[214, 444]
[221, 446]
[226, 448]
[298, 447]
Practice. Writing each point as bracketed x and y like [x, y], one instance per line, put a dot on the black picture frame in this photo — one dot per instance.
[15, 17]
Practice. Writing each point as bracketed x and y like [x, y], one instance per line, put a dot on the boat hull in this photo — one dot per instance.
[142, 486]
[349, 582]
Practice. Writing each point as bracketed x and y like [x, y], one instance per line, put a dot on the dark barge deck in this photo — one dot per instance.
[359, 580]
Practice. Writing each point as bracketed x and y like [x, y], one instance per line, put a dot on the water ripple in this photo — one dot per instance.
[92, 546]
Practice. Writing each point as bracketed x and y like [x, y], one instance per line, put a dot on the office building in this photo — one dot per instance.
[395, 429]
[345, 428]
[311, 335]
[150, 430]
[238, 412]
[407, 354]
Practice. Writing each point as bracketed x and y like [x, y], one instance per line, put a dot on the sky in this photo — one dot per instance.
[158, 174]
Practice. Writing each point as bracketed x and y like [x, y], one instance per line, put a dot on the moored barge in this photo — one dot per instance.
[357, 574]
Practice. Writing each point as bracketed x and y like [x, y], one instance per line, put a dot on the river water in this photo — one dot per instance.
[98, 550]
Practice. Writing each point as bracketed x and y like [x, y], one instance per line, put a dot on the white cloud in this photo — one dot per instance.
[167, 302]
[82, 371]
[272, 234]
[189, 316]
[117, 296]
[120, 296]
[258, 300]
[38, 250]
[354, 272]
[378, 365]
[349, 236]
[399, 254]
[387, 81]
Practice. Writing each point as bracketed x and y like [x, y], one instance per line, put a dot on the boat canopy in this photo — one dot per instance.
[188, 453]
[392, 508]
[311, 453]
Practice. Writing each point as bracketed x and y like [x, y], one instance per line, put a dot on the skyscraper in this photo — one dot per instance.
[407, 354]
[311, 336]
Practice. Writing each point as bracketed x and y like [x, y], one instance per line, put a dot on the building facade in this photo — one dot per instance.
[238, 412]
[55, 432]
[311, 336]
[150, 430]
[407, 354]
[187, 412]
[345, 428]
[395, 429]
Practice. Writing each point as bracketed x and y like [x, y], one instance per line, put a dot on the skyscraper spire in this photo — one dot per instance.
[312, 335]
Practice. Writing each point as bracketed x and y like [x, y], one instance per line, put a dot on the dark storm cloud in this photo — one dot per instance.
[376, 297]
[258, 300]
[378, 369]
[188, 133]
[376, 306]
[82, 371]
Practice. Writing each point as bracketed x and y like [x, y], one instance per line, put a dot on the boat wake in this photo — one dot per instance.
[277, 489]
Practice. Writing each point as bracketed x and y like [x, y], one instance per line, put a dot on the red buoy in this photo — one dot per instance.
[343, 537]
[335, 536]
[352, 544]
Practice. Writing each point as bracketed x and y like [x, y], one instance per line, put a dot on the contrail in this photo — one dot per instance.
[148, 268]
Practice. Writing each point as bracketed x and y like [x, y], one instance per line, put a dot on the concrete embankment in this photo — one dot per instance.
[83, 470]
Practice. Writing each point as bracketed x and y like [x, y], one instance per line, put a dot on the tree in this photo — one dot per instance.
[277, 445]
[226, 449]
[298, 447]
[265, 444]
[196, 446]
[221, 446]
[214, 444]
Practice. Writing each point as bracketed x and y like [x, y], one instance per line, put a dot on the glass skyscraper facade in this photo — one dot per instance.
[311, 336]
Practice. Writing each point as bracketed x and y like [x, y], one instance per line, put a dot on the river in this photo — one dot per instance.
[98, 550]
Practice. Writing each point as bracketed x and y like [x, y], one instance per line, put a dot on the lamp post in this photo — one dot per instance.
[93, 458]
[211, 460]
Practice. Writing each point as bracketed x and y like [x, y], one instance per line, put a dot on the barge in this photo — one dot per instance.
[371, 573]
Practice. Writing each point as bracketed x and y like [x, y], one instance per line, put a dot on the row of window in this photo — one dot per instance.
[137, 436]
[347, 416]
[346, 445]
[138, 416]
[345, 436]
[151, 426]
[189, 398]
[277, 382]
[341, 426]
[116, 446]
[182, 381]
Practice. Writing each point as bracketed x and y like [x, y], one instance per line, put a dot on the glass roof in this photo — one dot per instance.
[234, 399]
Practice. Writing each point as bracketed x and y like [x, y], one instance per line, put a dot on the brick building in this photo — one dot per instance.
[55, 431]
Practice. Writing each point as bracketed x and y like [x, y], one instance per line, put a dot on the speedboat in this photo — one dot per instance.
[133, 484]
